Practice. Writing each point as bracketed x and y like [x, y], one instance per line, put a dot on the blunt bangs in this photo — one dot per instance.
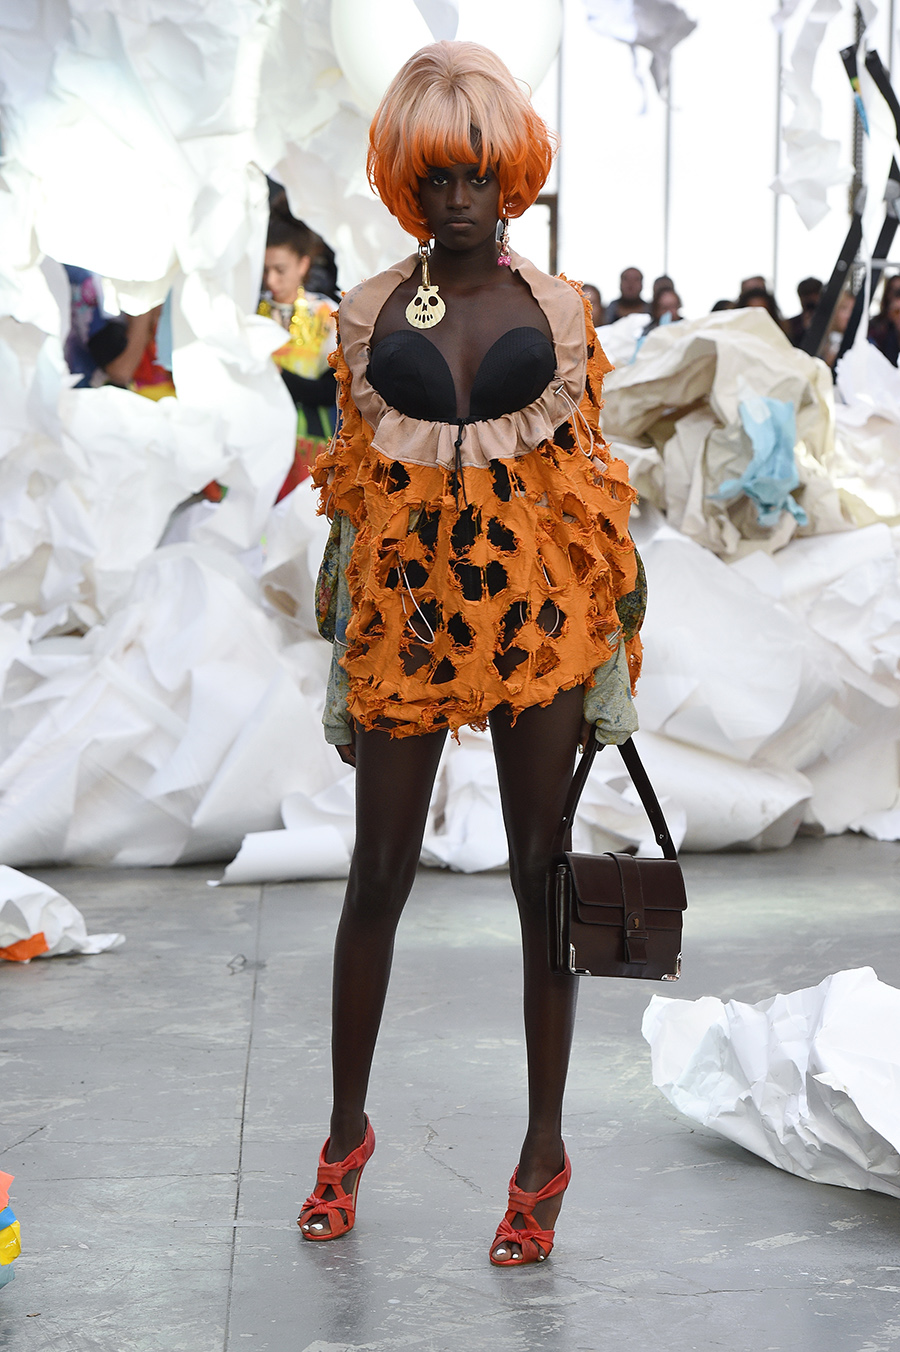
[456, 103]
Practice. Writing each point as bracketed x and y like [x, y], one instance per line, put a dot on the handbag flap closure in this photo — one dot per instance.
[611, 889]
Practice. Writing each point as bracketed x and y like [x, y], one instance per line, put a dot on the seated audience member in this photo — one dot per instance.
[630, 301]
[663, 283]
[665, 308]
[759, 296]
[752, 284]
[94, 337]
[839, 321]
[138, 366]
[809, 292]
[883, 330]
[322, 275]
[307, 318]
[593, 295]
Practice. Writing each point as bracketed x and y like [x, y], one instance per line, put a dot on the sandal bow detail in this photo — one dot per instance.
[341, 1208]
[535, 1243]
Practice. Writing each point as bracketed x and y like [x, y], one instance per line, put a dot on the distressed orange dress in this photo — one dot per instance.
[450, 618]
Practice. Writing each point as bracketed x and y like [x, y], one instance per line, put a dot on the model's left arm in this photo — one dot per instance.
[608, 702]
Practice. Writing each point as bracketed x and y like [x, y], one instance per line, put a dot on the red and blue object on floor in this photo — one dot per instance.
[10, 1245]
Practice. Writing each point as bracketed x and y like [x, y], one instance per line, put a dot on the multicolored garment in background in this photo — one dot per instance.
[10, 1243]
[312, 338]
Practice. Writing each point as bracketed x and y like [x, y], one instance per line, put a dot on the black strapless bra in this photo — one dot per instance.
[412, 375]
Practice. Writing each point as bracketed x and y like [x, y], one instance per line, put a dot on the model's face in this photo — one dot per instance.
[631, 282]
[284, 273]
[461, 205]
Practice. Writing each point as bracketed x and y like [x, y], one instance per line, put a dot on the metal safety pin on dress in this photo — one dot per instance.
[427, 641]
[558, 624]
[578, 414]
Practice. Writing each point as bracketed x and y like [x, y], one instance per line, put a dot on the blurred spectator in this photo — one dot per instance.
[665, 308]
[138, 366]
[809, 292]
[883, 331]
[322, 275]
[307, 318]
[752, 284]
[594, 299]
[839, 321]
[759, 296]
[630, 301]
[94, 337]
[662, 283]
[722, 305]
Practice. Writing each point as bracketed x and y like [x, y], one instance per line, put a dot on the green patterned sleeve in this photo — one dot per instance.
[336, 719]
[609, 704]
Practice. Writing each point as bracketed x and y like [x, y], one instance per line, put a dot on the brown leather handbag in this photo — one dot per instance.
[614, 914]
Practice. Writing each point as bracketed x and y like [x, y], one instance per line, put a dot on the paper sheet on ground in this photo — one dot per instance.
[279, 856]
[809, 1081]
[37, 922]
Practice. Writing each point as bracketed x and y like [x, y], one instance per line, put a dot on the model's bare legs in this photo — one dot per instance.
[534, 765]
[394, 779]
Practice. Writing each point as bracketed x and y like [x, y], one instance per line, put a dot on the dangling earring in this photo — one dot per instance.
[426, 307]
[502, 237]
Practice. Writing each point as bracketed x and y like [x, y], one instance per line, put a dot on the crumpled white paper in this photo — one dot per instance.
[770, 693]
[316, 842]
[866, 464]
[657, 25]
[167, 734]
[813, 162]
[159, 704]
[281, 856]
[29, 908]
[673, 414]
[809, 1081]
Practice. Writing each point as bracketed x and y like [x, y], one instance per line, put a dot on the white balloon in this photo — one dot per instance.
[373, 41]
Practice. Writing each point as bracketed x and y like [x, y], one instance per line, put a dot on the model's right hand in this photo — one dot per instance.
[348, 753]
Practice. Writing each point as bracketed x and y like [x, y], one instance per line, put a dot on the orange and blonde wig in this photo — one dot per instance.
[456, 103]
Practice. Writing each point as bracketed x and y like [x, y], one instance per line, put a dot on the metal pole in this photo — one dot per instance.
[667, 182]
[891, 37]
[858, 134]
[777, 208]
[556, 214]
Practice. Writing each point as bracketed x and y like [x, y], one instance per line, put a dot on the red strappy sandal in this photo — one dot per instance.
[534, 1242]
[341, 1208]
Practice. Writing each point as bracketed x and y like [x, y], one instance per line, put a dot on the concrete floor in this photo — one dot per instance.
[164, 1104]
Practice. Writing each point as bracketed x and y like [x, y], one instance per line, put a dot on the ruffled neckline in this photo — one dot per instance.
[417, 441]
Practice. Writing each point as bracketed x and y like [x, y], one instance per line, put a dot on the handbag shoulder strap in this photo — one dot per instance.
[628, 752]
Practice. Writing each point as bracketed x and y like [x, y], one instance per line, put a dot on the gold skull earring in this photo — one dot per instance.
[426, 307]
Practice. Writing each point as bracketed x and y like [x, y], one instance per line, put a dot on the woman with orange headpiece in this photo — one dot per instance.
[481, 573]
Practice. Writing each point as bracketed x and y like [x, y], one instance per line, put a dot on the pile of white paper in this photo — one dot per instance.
[809, 1081]
[36, 921]
[161, 680]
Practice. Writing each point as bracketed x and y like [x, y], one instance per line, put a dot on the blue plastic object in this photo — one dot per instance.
[772, 475]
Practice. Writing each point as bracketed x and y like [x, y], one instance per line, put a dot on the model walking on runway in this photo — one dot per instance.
[479, 550]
